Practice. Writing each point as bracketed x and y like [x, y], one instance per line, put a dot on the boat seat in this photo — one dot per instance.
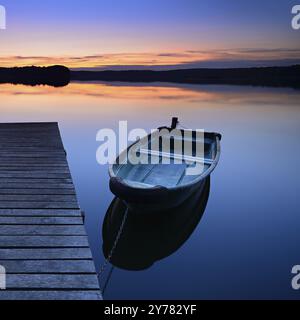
[176, 156]
[136, 184]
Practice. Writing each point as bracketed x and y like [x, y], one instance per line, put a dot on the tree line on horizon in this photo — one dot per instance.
[60, 76]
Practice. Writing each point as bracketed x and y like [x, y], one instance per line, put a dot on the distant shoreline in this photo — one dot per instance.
[262, 76]
[61, 76]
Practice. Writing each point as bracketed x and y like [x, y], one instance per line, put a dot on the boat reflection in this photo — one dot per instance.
[147, 238]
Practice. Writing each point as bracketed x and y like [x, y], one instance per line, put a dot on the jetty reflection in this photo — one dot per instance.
[149, 237]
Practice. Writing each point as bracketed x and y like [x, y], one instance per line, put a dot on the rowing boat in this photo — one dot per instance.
[163, 169]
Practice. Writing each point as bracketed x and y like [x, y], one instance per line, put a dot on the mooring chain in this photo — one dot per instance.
[107, 260]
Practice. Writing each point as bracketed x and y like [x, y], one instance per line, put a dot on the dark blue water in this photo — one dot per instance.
[248, 238]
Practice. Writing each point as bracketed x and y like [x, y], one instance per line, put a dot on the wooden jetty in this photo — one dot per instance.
[43, 243]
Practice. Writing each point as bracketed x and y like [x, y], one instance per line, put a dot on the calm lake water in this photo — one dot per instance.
[248, 238]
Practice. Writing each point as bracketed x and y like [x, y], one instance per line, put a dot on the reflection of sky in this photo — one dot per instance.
[250, 229]
[96, 33]
[162, 92]
[97, 102]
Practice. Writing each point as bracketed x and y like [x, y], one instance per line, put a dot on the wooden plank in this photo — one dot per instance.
[31, 142]
[34, 161]
[51, 131]
[17, 144]
[58, 155]
[42, 186]
[43, 241]
[45, 253]
[51, 281]
[49, 182]
[31, 149]
[43, 124]
[25, 137]
[43, 137]
[38, 198]
[41, 212]
[34, 166]
[29, 128]
[38, 230]
[50, 134]
[51, 295]
[38, 205]
[12, 137]
[48, 266]
[28, 155]
[46, 136]
[33, 154]
[41, 220]
[34, 174]
[40, 191]
[27, 168]
[25, 132]
[18, 163]
[30, 135]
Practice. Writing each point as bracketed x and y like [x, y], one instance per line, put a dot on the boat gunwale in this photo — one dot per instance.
[201, 177]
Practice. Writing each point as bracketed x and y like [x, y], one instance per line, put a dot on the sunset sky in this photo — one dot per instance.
[162, 33]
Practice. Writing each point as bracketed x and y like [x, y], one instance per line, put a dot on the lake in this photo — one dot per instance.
[248, 238]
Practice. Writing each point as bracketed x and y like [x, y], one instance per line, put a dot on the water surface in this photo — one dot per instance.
[248, 238]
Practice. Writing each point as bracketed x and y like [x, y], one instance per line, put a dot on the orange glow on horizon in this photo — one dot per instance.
[149, 59]
[102, 60]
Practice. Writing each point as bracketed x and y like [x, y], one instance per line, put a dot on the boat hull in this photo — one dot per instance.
[153, 199]
[154, 184]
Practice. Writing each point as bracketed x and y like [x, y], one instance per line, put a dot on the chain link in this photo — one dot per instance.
[108, 259]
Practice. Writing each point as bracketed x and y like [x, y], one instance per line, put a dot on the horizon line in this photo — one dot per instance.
[245, 65]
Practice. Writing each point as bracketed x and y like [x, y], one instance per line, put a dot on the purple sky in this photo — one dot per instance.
[166, 34]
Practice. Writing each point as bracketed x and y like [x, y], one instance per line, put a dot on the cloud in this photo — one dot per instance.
[177, 55]
[274, 50]
[164, 60]
[97, 56]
